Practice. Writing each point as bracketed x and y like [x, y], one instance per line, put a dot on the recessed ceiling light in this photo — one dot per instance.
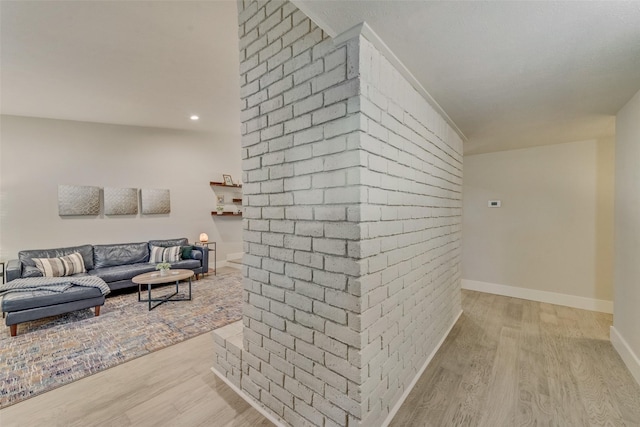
[194, 117]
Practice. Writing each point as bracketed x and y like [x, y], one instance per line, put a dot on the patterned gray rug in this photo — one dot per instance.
[51, 352]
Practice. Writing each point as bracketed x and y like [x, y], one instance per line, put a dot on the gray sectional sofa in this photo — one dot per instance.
[116, 264]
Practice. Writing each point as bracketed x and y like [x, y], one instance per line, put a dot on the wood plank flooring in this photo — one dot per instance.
[170, 387]
[507, 362]
[513, 362]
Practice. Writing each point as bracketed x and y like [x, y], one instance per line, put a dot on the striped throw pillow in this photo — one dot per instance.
[160, 254]
[156, 254]
[59, 267]
[73, 264]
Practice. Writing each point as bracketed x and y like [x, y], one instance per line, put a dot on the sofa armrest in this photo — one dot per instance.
[13, 269]
[205, 256]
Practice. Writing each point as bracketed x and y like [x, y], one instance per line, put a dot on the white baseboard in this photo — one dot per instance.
[626, 353]
[248, 399]
[591, 304]
[404, 396]
[235, 256]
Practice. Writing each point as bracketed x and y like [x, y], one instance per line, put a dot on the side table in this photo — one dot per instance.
[2, 264]
[215, 252]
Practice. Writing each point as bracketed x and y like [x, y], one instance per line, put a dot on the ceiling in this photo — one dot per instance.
[509, 74]
[144, 63]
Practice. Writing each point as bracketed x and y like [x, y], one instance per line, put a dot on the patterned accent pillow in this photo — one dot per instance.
[59, 267]
[156, 254]
[73, 264]
[160, 254]
[172, 254]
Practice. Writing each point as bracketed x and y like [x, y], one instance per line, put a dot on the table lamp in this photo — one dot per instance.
[204, 238]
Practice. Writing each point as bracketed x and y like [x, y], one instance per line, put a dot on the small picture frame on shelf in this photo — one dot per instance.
[227, 180]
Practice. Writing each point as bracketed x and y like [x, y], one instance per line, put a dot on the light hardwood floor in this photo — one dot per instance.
[513, 362]
[507, 362]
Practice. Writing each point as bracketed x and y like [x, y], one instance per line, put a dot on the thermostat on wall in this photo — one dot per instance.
[495, 203]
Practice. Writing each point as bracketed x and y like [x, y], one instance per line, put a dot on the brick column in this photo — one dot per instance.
[352, 223]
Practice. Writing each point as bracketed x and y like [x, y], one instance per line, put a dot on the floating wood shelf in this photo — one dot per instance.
[222, 184]
[236, 200]
[225, 214]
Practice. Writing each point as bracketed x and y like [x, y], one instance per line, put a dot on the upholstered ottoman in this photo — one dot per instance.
[25, 306]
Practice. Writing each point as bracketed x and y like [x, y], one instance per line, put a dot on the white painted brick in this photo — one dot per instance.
[281, 281]
[281, 254]
[297, 242]
[342, 126]
[308, 197]
[329, 312]
[330, 246]
[344, 195]
[310, 320]
[297, 32]
[296, 63]
[401, 199]
[314, 229]
[343, 230]
[307, 41]
[331, 280]
[342, 367]
[299, 213]
[299, 362]
[282, 226]
[298, 123]
[308, 259]
[298, 272]
[328, 79]
[308, 135]
[330, 410]
[326, 114]
[298, 301]
[309, 166]
[308, 72]
[272, 347]
[309, 289]
[297, 183]
[279, 87]
[308, 104]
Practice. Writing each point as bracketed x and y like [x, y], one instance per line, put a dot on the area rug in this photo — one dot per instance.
[55, 351]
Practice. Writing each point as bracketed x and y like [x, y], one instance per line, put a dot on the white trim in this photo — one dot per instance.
[248, 399]
[235, 256]
[574, 301]
[626, 353]
[404, 396]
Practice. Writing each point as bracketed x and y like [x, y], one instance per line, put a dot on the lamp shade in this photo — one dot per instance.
[204, 237]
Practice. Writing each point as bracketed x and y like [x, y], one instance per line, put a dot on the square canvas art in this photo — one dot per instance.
[78, 200]
[155, 201]
[120, 201]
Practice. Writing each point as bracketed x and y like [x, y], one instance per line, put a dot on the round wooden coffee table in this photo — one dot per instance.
[155, 278]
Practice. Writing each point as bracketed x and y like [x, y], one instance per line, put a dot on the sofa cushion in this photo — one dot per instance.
[182, 241]
[120, 254]
[121, 272]
[67, 265]
[26, 257]
[17, 301]
[188, 264]
[160, 254]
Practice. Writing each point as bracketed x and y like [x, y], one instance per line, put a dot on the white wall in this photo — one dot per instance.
[40, 154]
[552, 239]
[625, 334]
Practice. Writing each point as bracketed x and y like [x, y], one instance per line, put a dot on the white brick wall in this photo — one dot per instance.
[352, 224]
